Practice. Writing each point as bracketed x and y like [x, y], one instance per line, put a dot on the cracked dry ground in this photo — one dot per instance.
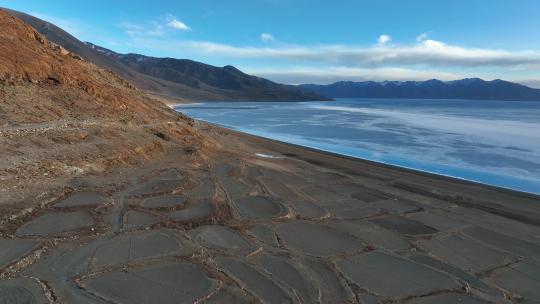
[251, 230]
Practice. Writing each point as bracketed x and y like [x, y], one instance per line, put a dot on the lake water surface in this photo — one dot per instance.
[493, 142]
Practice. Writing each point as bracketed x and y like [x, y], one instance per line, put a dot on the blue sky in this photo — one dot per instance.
[299, 41]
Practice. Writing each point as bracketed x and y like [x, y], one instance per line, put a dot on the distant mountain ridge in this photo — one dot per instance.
[177, 78]
[205, 77]
[468, 88]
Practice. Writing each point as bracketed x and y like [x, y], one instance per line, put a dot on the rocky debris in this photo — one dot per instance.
[366, 195]
[308, 210]
[458, 273]
[504, 242]
[13, 250]
[204, 190]
[264, 234]
[447, 298]
[235, 188]
[196, 212]
[254, 281]
[456, 250]
[259, 207]
[307, 237]
[22, 290]
[332, 288]
[222, 238]
[393, 276]
[155, 187]
[136, 220]
[521, 280]
[278, 189]
[122, 250]
[298, 280]
[404, 226]
[228, 294]
[440, 220]
[164, 201]
[175, 283]
[375, 236]
[56, 224]
[84, 199]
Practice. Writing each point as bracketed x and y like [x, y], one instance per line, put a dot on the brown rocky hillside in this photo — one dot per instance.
[62, 117]
[28, 60]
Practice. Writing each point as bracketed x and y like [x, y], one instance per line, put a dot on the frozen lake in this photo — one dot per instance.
[493, 142]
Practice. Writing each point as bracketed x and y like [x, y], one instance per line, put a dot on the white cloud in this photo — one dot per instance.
[533, 83]
[136, 30]
[426, 52]
[422, 36]
[149, 29]
[266, 37]
[174, 23]
[421, 60]
[384, 39]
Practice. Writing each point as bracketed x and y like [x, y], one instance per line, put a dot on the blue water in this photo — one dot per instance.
[493, 142]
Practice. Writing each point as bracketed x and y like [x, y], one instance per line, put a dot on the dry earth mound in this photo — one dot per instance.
[61, 116]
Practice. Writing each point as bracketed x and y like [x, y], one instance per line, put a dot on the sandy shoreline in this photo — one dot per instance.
[278, 143]
[441, 187]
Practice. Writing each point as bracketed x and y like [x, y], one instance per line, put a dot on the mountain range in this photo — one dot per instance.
[203, 82]
[469, 88]
[188, 80]
[172, 78]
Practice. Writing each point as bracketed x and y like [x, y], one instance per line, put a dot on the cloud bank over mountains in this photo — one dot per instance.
[428, 52]
[384, 59]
